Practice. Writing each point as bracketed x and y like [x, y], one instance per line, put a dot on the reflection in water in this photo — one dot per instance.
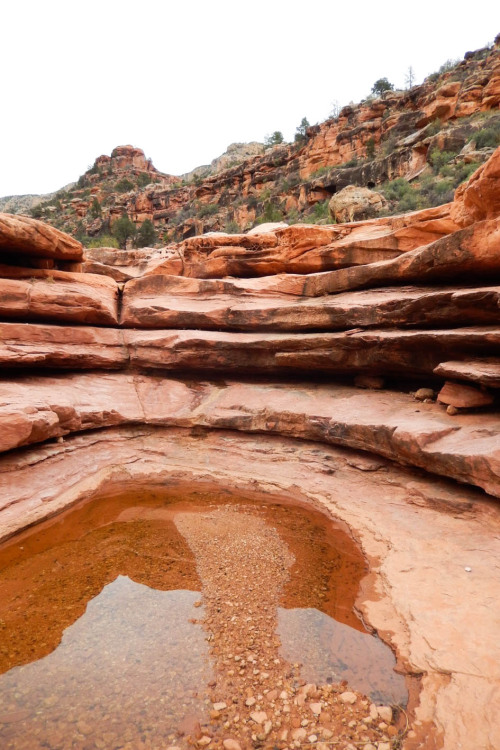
[330, 651]
[122, 670]
[103, 598]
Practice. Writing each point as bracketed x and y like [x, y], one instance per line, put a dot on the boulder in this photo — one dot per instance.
[354, 203]
[20, 235]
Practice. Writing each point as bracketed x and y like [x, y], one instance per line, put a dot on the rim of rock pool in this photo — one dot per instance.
[395, 514]
[269, 494]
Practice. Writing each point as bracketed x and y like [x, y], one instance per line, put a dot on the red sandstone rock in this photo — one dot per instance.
[383, 422]
[371, 352]
[473, 252]
[35, 294]
[479, 198]
[170, 302]
[350, 352]
[19, 234]
[77, 347]
[463, 396]
[354, 203]
[483, 371]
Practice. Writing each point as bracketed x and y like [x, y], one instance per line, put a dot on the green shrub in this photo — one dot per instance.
[124, 185]
[438, 158]
[370, 148]
[396, 189]
[146, 236]
[231, 227]
[488, 137]
[95, 208]
[319, 212]
[208, 209]
[143, 180]
[105, 240]
[123, 229]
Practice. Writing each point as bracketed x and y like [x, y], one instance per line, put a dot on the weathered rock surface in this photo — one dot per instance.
[484, 371]
[387, 423]
[19, 234]
[394, 352]
[173, 302]
[463, 396]
[355, 203]
[77, 347]
[59, 296]
[414, 601]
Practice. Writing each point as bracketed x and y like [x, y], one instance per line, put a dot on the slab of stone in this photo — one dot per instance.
[24, 345]
[383, 422]
[174, 302]
[58, 296]
[463, 396]
[483, 371]
[24, 236]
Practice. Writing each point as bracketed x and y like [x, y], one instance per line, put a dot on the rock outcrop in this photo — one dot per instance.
[355, 367]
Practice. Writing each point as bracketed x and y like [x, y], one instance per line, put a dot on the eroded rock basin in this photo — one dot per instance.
[145, 621]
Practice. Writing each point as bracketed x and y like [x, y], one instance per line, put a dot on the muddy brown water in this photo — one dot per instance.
[125, 619]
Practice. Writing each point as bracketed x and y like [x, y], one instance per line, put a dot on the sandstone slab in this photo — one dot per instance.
[384, 422]
[59, 296]
[19, 234]
[211, 304]
[463, 396]
[484, 371]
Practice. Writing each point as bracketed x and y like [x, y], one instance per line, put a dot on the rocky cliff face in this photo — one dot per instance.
[415, 146]
[352, 366]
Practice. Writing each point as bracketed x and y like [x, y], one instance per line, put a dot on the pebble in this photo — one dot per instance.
[385, 713]
[348, 697]
[258, 716]
[219, 706]
[230, 744]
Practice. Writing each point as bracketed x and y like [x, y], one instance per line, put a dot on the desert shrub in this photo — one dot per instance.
[95, 208]
[208, 209]
[396, 189]
[124, 185]
[382, 85]
[319, 212]
[143, 179]
[231, 227]
[370, 148]
[123, 229]
[351, 163]
[438, 158]
[488, 137]
[146, 236]
[105, 240]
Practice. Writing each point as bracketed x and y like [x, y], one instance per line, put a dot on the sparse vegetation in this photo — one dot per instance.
[95, 209]
[124, 185]
[301, 132]
[143, 179]
[370, 148]
[488, 137]
[274, 139]
[208, 209]
[146, 235]
[382, 85]
[123, 229]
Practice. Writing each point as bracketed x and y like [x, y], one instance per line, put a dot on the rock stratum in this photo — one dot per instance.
[354, 367]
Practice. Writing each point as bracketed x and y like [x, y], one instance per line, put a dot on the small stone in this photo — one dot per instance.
[385, 713]
[451, 410]
[313, 738]
[424, 393]
[327, 734]
[369, 746]
[299, 734]
[315, 708]
[384, 746]
[258, 716]
[268, 725]
[219, 706]
[304, 723]
[204, 741]
[250, 702]
[230, 744]
[348, 697]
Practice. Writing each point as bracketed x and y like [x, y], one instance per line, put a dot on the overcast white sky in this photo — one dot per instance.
[183, 80]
